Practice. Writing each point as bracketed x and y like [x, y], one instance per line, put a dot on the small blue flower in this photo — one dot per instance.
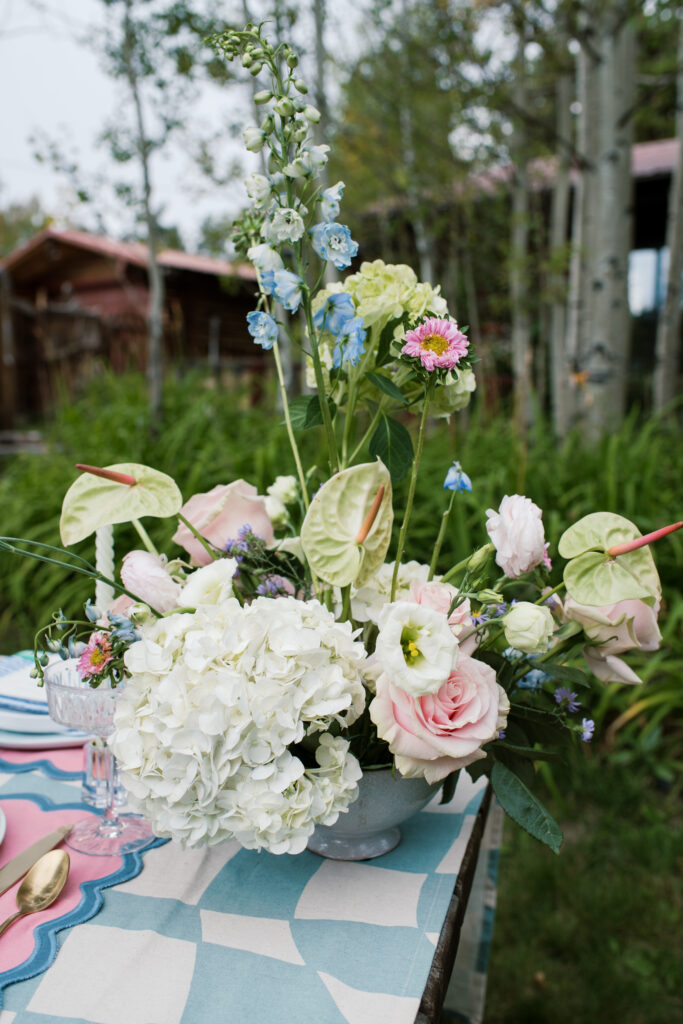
[456, 479]
[564, 696]
[285, 286]
[533, 680]
[351, 349]
[330, 200]
[262, 328]
[588, 726]
[333, 242]
[336, 312]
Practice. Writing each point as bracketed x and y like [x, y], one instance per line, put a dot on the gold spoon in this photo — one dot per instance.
[41, 886]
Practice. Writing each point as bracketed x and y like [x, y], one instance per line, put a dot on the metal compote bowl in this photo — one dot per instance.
[73, 702]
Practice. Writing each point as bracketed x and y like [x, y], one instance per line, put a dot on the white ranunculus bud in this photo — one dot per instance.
[529, 627]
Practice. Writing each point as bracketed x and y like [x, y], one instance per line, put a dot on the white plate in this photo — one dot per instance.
[24, 721]
[3, 826]
[41, 741]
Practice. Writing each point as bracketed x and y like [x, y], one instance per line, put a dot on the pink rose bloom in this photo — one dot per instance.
[146, 576]
[120, 606]
[615, 628]
[516, 531]
[219, 514]
[434, 735]
[440, 597]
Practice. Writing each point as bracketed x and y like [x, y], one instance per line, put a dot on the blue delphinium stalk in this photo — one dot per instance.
[285, 286]
[262, 328]
[350, 343]
[337, 310]
[457, 479]
[330, 200]
[333, 242]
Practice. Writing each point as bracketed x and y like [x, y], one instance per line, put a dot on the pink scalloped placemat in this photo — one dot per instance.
[68, 760]
[27, 822]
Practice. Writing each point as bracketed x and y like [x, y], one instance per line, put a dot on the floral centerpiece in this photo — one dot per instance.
[289, 647]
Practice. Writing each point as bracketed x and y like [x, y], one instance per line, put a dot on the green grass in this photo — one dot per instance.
[592, 934]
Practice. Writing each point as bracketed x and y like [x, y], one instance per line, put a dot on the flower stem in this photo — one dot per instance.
[288, 422]
[195, 533]
[442, 534]
[144, 537]
[411, 489]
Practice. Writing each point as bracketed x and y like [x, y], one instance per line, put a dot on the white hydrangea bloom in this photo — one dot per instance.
[369, 601]
[214, 702]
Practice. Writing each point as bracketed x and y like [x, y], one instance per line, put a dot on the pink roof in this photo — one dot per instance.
[129, 252]
[652, 158]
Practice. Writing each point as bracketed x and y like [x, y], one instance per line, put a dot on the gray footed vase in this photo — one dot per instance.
[370, 826]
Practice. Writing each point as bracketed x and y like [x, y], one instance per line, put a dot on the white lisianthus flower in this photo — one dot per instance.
[529, 627]
[215, 699]
[212, 584]
[369, 601]
[258, 188]
[282, 225]
[415, 647]
[516, 530]
[265, 258]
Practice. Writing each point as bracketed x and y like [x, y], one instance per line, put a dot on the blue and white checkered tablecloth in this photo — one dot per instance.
[230, 936]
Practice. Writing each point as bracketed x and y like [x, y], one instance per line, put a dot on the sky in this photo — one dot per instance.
[52, 84]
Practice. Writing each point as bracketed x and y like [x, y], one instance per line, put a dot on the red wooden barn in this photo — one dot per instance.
[71, 302]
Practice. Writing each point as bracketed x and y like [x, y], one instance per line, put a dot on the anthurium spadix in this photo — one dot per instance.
[595, 576]
[116, 494]
[341, 539]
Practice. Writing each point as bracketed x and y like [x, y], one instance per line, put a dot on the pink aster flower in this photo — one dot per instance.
[96, 656]
[437, 343]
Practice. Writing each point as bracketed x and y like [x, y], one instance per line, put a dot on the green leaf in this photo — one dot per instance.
[386, 338]
[449, 784]
[524, 808]
[531, 753]
[334, 519]
[92, 502]
[305, 412]
[392, 444]
[566, 672]
[386, 385]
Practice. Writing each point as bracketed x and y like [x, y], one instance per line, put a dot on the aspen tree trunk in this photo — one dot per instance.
[668, 344]
[607, 347]
[155, 329]
[560, 369]
[423, 240]
[519, 246]
[584, 221]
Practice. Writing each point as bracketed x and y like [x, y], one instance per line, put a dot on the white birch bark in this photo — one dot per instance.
[519, 244]
[155, 369]
[668, 344]
[560, 369]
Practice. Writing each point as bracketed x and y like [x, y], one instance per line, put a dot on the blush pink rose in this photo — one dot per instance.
[434, 735]
[219, 514]
[146, 576]
[516, 531]
[440, 597]
[615, 628]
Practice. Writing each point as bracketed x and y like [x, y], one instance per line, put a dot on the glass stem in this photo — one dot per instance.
[111, 824]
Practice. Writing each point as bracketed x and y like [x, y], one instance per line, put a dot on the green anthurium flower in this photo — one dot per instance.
[335, 521]
[594, 577]
[92, 501]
